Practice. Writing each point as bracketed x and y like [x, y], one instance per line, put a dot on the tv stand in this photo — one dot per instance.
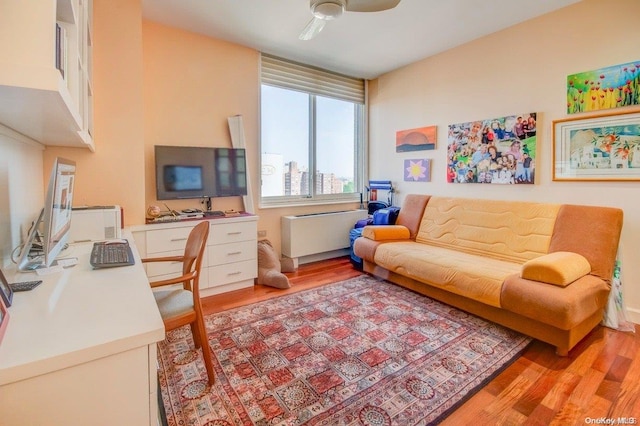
[210, 213]
[231, 263]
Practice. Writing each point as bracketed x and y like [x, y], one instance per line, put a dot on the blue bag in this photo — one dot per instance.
[386, 216]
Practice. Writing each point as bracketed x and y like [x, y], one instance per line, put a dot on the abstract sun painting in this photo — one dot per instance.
[420, 139]
[417, 170]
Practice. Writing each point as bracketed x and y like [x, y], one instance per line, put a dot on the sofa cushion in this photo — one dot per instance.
[559, 268]
[512, 231]
[476, 277]
[561, 307]
[591, 231]
[386, 232]
[411, 212]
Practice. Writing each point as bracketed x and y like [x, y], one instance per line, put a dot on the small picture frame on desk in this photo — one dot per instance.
[4, 318]
[6, 292]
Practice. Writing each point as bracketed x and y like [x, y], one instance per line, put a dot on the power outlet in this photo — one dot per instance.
[262, 234]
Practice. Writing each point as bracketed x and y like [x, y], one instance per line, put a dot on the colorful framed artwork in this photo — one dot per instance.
[4, 318]
[494, 151]
[604, 147]
[6, 292]
[420, 139]
[604, 88]
[417, 170]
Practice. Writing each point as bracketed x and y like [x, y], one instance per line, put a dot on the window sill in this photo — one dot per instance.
[290, 204]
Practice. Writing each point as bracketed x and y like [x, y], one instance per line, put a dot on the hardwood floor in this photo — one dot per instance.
[600, 379]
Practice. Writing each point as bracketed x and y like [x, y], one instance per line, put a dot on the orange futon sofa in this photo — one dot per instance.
[538, 268]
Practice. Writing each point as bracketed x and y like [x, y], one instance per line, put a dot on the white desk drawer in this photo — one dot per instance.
[232, 272]
[232, 232]
[232, 252]
[164, 240]
[156, 269]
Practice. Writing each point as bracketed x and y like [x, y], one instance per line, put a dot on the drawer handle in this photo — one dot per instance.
[233, 253]
[234, 233]
[178, 239]
[234, 273]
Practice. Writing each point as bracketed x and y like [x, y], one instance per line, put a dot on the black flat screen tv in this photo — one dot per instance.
[187, 172]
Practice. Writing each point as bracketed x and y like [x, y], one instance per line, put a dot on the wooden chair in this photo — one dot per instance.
[179, 307]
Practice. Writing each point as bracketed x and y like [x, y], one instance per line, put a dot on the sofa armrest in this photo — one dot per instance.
[560, 268]
[386, 232]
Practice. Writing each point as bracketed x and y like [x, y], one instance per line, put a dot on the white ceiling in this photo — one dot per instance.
[357, 44]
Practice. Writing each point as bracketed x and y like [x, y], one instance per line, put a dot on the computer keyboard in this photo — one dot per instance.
[109, 254]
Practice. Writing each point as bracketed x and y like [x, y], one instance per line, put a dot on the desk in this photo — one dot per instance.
[81, 347]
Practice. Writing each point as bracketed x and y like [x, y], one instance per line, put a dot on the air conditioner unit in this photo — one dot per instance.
[95, 223]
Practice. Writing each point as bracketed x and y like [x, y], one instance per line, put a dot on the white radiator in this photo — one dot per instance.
[311, 234]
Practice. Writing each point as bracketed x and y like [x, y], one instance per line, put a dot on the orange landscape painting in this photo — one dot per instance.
[421, 139]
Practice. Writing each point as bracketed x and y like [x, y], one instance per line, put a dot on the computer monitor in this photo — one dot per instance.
[55, 219]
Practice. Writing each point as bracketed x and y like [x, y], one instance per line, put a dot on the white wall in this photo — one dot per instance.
[21, 188]
[518, 70]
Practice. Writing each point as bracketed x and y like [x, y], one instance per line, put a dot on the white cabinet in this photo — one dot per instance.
[45, 70]
[232, 254]
[230, 261]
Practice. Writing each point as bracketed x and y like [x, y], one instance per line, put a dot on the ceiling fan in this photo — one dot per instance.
[328, 10]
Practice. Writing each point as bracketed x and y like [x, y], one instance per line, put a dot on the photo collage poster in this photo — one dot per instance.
[494, 151]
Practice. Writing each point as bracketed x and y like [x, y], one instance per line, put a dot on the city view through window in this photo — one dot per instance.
[308, 144]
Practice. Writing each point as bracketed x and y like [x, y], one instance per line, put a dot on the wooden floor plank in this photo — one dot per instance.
[602, 373]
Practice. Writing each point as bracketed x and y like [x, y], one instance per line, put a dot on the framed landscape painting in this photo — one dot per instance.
[604, 147]
[420, 139]
[494, 151]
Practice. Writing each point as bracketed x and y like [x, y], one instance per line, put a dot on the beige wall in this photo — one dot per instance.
[114, 174]
[192, 84]
[21, 189]
[521, 69]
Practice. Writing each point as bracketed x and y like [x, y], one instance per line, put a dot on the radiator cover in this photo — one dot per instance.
[309, 234]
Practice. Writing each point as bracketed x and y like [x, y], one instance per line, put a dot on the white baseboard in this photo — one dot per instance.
[633, 315]
[323, 256]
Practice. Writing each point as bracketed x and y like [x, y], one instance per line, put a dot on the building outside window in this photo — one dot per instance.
[312, 138]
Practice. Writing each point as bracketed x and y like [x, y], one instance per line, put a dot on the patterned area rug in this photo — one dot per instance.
[361, 351]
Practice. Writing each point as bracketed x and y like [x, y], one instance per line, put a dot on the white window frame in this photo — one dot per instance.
[315, 82]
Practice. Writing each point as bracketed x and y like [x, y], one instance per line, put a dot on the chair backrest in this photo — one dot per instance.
[194, 252]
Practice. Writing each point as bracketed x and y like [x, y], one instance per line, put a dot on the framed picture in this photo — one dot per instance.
[420, 139]
[604, 147]
[417, 170]
[604, 88]
[6, 293]
[494, 151]
[4, 318]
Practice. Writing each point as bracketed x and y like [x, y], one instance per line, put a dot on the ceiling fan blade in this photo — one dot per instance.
[312, 29]
[370, 5]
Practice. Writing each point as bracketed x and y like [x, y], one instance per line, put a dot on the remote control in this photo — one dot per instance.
[25, 285]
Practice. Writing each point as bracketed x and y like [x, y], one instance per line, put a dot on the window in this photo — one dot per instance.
[312, 139]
